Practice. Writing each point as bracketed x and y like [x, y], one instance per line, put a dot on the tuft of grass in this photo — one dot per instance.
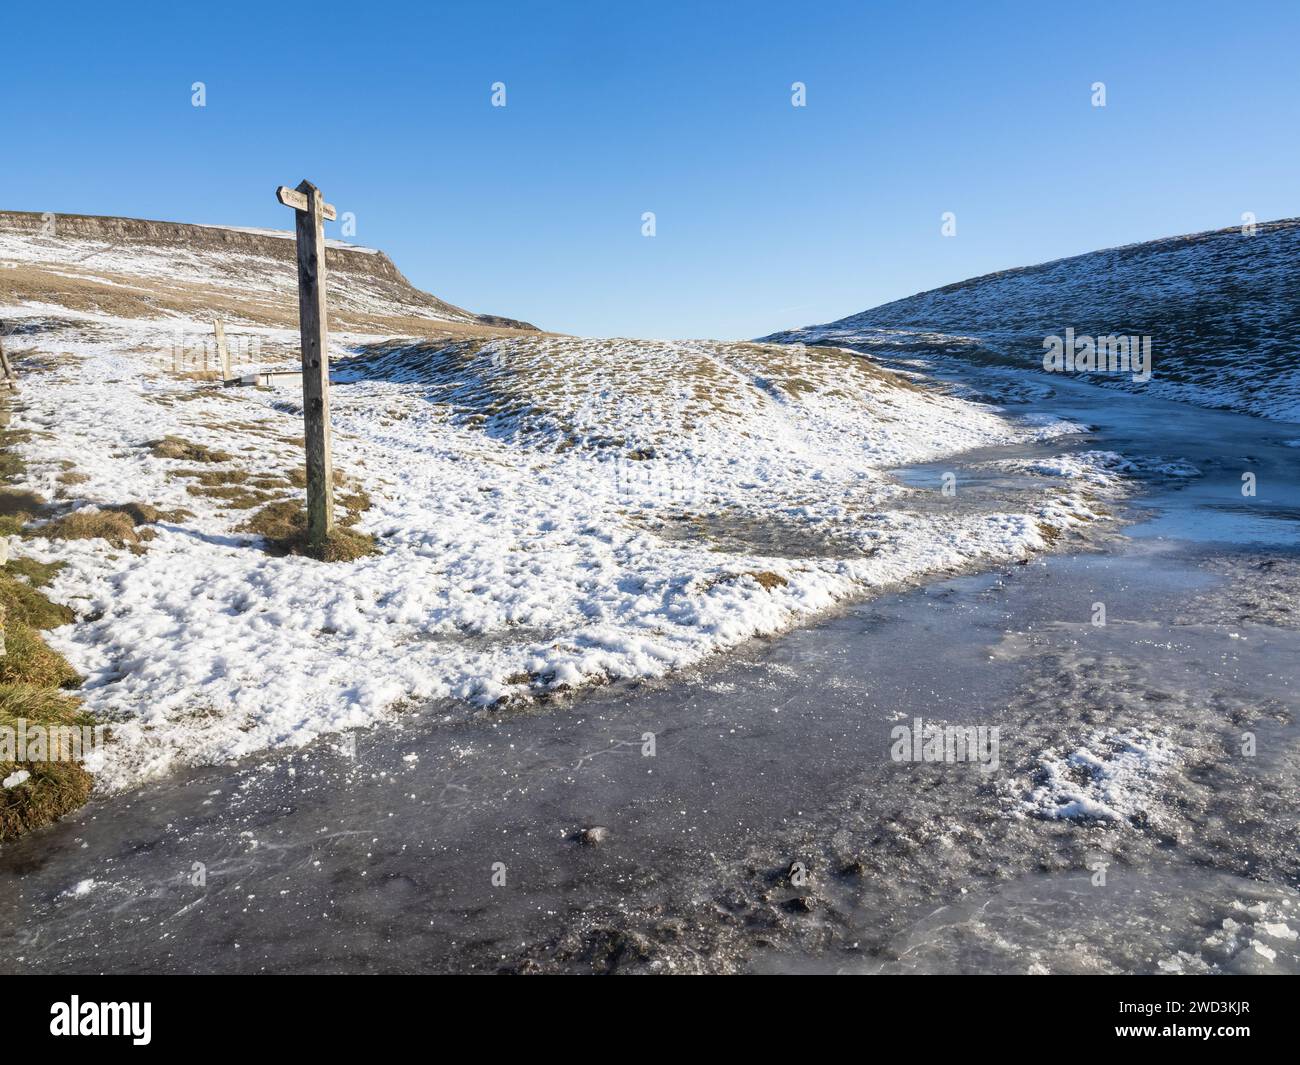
[766, 579]
[28, 661]
[147, 513]
[37, 574]
[277, 521]
[298, 477]
[117, 523]
[342, 545]
[20, 504]
[235, 496]
[284, 528]
[11, 465]
[22, 602]
[53, 788]
[176, 447]
[354, 504]
[91, 523]
[211, 478]
[70, 477]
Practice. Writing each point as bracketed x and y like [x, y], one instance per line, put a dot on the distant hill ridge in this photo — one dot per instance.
[139, 246]
[1222, 309]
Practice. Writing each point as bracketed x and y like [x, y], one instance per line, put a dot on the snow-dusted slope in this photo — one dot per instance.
[129, 267]
[1222, 310]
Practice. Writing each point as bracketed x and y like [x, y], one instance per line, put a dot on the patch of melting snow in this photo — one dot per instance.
[1110, 778]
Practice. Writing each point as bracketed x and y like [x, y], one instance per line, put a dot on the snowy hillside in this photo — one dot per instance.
[1221, 308]
[546, 512]
[132, 268]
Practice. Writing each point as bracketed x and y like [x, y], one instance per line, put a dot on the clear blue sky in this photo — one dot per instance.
[768, 216]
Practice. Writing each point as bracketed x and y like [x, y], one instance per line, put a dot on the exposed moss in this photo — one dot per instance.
[10, 465]
[766, 579]
[9, 437]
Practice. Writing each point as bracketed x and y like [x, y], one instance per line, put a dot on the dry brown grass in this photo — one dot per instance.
[147, 513]
[28, 661]
[31, 675]
[234, 496]
[214, 477]
[117, 523]
[284, 527]
[91, 523]
[125, 296]
[766, 579]
[16, 502]
[20, 600]
[298, 477]
[53, 788]
[176, 447]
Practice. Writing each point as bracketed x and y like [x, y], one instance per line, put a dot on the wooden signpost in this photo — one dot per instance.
[311, 211]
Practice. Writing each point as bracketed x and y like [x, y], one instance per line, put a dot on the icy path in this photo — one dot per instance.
[381, 856]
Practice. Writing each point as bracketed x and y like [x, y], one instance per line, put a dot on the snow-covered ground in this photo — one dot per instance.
[550, 513]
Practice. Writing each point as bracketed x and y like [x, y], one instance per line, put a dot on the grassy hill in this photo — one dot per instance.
[1221, 308]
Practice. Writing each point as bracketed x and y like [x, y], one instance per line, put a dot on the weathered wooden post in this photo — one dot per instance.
[223, 353]
[311, 211]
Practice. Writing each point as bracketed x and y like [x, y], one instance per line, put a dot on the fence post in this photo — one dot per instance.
[222, 352]
[10, 378]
